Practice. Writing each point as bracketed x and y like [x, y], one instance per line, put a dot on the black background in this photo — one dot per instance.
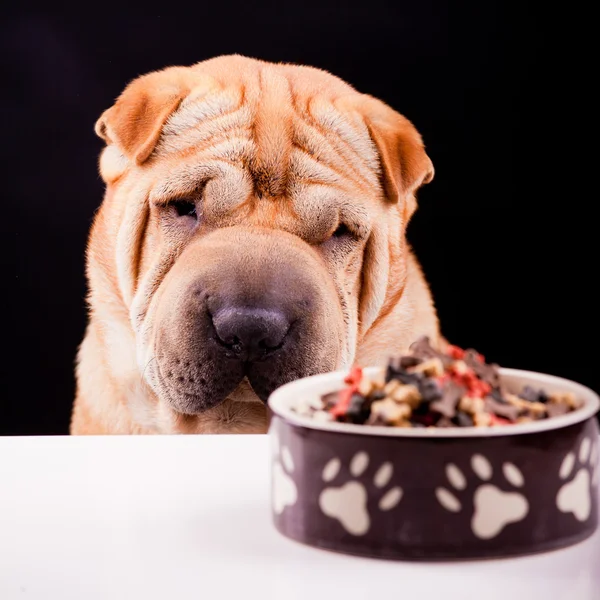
[502, 233]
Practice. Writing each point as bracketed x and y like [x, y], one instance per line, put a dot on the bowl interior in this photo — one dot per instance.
[283, 400]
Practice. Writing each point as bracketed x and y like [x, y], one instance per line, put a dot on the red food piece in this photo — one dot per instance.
[456, 371]
[475, 386]
[480, 389]
[354, 377]
[469, 378]
[443, 379]
[341, 407]
[459, 378]
[455, 352]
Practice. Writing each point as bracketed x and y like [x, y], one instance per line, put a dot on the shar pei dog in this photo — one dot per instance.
[252, 232]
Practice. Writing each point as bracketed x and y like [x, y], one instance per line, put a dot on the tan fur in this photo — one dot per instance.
[283, 152]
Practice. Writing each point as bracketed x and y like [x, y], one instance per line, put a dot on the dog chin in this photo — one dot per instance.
[244, 393]
[244, 414]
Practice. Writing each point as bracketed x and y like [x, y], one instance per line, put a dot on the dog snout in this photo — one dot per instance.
[250, 334]
[256, 316]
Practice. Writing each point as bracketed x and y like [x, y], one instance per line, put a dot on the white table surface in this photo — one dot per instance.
[188, 517]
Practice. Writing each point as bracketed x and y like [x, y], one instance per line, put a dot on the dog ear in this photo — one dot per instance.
[135, 121]
[405, 167]
[404, 162]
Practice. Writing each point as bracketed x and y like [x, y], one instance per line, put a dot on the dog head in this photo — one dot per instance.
[254, 214]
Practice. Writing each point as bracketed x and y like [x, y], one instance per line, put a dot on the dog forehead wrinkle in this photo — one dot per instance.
[272, 121]
[195, 109]
[261, 134]
[272, 134]
[353, 132]
[236, 150]
[184, 178]
[202, 138]
[201, 117]
[336, 141]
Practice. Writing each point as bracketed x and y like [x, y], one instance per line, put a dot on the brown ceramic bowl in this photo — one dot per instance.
[435, 493]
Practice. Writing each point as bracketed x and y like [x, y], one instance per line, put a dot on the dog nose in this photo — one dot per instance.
[250, 334]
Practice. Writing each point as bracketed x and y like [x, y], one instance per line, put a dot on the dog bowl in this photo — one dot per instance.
[435, 494]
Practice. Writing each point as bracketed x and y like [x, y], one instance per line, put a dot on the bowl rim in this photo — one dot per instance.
[281, 399]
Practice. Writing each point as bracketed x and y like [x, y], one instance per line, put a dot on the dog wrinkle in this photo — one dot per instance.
[247, 129]
[341, 142]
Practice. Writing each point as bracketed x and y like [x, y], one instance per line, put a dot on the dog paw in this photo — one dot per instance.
[347, 503]
[284, 489]
[493, 509]
[580, 471]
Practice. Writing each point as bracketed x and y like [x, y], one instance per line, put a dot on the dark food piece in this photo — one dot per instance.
[422, 349]
[497, 395]
[450, 397]
[489, 373]
[428, 419]
[429, 388]
[543, 396]
[403, 376]
[506, 411]
[357, 412]
[463, 419]
[532, 395]
[409, 361]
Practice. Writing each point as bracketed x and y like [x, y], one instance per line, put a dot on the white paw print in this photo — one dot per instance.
[283, 488]
[348, 503]
[576, 495]
[493, 508]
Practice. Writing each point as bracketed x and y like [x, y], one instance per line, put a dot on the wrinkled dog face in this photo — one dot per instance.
[255, 236]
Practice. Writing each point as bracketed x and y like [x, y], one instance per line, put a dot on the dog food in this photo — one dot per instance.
[428, 388]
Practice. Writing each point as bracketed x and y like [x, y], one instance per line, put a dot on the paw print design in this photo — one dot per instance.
[494, 509]
[348, 502]
[284, 490]
[575, 496]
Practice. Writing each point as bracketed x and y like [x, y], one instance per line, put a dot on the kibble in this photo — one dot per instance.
[429, 388]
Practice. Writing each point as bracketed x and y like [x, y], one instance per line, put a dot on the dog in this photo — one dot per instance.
[252, 233]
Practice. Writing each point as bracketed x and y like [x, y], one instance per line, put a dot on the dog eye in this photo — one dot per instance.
[185, 208]
[341, 231]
